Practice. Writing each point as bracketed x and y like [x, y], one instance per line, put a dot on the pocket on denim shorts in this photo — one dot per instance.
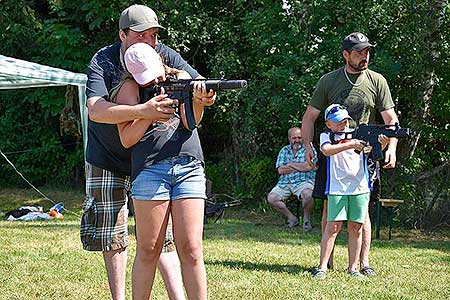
[197, 164]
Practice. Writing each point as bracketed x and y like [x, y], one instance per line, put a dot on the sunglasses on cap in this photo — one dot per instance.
[334, 110]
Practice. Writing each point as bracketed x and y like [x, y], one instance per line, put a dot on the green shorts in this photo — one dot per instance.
[348, 207]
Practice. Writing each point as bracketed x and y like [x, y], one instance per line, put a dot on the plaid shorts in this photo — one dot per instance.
[104, 224]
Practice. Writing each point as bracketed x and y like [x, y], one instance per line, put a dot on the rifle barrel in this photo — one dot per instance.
[224, 85]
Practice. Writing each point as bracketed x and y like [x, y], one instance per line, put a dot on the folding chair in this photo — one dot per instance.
[215, 204]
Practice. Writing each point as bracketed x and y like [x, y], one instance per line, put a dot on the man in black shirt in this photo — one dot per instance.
[104, 222]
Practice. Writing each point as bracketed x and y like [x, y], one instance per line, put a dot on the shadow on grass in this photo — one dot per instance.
[251, 266]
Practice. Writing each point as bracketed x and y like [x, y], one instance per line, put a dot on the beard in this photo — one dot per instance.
[361, 66]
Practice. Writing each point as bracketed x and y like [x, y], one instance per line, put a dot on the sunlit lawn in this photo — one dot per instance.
[248, 255]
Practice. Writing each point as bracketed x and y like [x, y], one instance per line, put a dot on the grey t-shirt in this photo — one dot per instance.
[362, 101]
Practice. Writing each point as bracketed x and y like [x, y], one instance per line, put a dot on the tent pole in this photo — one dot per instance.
[83, 115]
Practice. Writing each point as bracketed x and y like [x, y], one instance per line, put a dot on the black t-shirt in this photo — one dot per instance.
[104, 149]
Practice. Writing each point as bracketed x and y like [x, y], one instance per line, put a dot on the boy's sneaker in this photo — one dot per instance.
[368, 271]
[319, 274]
[357, 275]
[307, 226]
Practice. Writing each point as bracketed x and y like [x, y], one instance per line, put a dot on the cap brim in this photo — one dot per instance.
[361, 46]
[145, 26]
[338, 117]
[146, 77]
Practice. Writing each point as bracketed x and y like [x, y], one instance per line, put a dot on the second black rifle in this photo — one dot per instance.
[370, 134]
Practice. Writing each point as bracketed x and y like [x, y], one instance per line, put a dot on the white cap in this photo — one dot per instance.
[142, 61]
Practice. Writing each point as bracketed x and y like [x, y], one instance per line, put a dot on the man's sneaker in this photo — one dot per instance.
[357, 275]
[307, 226]
[319, 274]
[292, 222]
[330, 265]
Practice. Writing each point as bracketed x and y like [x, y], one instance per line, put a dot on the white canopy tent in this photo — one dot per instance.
[20, 74]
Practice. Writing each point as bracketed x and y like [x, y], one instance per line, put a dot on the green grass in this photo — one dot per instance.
[248, 256]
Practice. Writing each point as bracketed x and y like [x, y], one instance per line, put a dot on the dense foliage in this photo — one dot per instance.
[281, 48]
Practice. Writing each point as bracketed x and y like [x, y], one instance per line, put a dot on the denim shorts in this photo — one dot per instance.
[179, 177]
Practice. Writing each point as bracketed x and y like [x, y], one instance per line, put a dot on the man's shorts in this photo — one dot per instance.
[321, 178]
[104, 224]
[375, 179]
[181, 177]
[348, 207]
[297, 190]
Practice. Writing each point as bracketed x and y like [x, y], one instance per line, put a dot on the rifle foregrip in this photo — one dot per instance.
[377, 152]
[189, 111]
[403, 133]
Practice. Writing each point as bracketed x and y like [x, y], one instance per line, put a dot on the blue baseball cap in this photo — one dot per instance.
[336, 113]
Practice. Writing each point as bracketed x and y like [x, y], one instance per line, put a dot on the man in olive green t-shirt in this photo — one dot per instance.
[363, 92]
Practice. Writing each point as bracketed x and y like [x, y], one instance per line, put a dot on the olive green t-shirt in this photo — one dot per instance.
[370, 94]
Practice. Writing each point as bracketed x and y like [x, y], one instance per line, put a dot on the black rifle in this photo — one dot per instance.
[370, 134]
[182, 90]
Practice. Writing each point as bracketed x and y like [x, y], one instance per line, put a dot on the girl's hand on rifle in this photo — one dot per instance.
[201, 96]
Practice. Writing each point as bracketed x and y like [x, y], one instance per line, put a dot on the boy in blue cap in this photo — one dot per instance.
[347, 188]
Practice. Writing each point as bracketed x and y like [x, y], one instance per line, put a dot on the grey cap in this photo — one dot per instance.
[139, 18]
[356, 41]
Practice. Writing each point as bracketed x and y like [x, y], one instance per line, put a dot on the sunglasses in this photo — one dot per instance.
[334, 110]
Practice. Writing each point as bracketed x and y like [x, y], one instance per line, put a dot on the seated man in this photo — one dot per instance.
[296, 178]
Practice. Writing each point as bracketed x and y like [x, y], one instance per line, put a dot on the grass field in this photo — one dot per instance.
[248, 256]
